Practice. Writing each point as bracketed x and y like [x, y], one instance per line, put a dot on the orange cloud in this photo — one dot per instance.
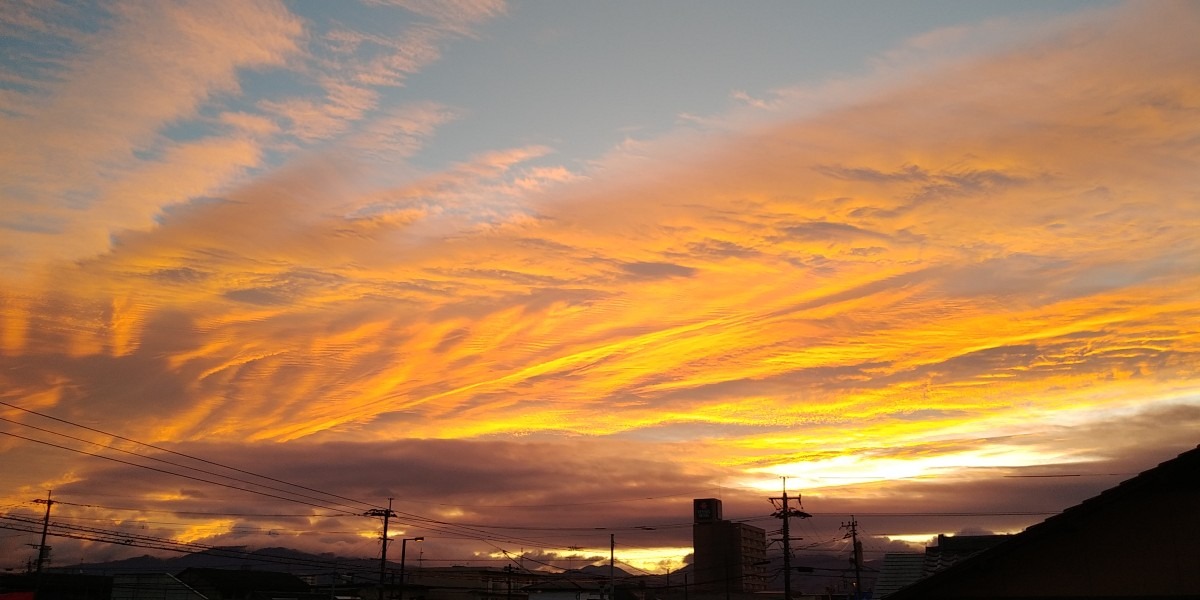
[71, 139]
[948, 274]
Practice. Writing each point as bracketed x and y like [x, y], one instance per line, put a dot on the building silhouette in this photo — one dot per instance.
[728, 556]
[1140, 539]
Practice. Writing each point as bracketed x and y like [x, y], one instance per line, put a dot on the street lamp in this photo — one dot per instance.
[403, 547]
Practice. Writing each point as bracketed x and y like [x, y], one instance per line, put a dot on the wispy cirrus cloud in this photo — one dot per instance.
[970, 270]
[69, 140]
[144, 89]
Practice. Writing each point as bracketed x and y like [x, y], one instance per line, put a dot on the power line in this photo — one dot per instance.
[476, 530]
[191, 512]
[185, 476]
[567, 504]
[184, 455]
[441, 526]
[31, 525]
[945, 514]
[174, 464]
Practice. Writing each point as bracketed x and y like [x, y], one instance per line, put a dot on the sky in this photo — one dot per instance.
[544, 272]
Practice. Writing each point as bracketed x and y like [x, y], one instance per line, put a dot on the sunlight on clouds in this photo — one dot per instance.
[917, 540]
[125, 322]
[860, 469]
[651, 560]
[924, 283]
[205, 531]
[166, 496]
[105, 106]
[15, 317]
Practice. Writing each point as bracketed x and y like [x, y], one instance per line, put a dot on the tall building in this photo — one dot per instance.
[728, 556]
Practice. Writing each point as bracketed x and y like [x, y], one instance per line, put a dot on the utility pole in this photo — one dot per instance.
[42, 553]
[786, 512]
[852, 525]
[386, 514]
[43, 550]
[612, 555]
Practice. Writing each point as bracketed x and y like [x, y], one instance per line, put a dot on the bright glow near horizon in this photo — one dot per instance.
[570, 265]
[841, 471]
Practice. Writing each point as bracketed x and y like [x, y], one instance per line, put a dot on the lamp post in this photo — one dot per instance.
[403, 547]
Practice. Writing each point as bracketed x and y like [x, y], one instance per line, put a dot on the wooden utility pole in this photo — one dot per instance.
[42, 550]
[612, 555]
[386, 514]
[786, 512]
[857, 559]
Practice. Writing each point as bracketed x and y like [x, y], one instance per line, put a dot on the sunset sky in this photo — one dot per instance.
[543, 272]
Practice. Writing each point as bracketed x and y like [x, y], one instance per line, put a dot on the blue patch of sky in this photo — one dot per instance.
[275, 84]
[275, 156]
[148, 153]
[380, 24]
[26, 65]
[581, 77]
[34, 54]
[190, 130]
[182, 131]
[79, 198]
[172, 211]
[34, 223]
[355, 16]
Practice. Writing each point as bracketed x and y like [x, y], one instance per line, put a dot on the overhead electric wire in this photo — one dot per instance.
[34, 525]
[419, 520]
[475, 534]
[450, 530]
[439, 526]
[233, 529]
[118, 537]
[944, 514]
[473, 531]
[1072, 475]
[192, 512]
[558, 504]
[429, 523]
[185, 476]
[577, 529]
[174, 464]
[188, 456]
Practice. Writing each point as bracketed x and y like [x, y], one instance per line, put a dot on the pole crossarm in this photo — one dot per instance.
[856, 559]
[387, 514]
[785, 512]
[42, 553]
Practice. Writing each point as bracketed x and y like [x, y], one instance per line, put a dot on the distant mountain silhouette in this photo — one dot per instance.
[283, 560]
[598, 571]
[829, 571]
